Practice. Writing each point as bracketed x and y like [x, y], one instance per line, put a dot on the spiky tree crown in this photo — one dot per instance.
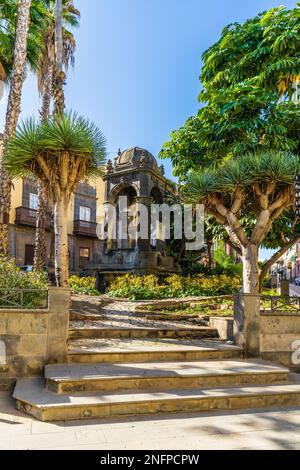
[61, 152]
[265, 168]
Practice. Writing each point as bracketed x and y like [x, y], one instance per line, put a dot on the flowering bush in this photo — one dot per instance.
[11, 277]
[148, 287]
[83, 285]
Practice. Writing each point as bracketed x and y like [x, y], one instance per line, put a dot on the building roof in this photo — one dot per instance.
[136, 156]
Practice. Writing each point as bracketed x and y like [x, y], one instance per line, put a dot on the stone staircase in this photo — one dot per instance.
[130, 370]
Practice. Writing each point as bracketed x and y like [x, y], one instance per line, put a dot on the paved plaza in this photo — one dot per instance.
[255, 429]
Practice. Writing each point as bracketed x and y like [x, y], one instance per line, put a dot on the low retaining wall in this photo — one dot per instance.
[272, 335]
[30, 339]
[224, 325]
[278, 334]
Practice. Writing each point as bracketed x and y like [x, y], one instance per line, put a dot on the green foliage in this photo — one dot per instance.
[66, 145]
[263, 167]
[226, 264]
[83, 285]
[247, 83]
[42, 17]
[64, 133]
[12, 278]
[148, 287]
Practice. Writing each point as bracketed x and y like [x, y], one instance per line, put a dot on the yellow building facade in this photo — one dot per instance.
[83, 217]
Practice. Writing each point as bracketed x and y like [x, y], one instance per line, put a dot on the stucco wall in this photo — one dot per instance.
[33, 338]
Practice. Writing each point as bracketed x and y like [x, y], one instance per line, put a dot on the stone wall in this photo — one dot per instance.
[224, 325]
[33, 338]
[278, 332]
[269, 335]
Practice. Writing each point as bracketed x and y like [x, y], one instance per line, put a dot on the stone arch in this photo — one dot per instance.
[129, 191]
[156, 195]
[115, 192]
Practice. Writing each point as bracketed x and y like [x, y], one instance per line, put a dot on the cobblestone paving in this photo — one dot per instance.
[104, 313]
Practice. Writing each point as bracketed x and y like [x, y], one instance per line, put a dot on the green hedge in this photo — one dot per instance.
[12, 278]
[148, 287]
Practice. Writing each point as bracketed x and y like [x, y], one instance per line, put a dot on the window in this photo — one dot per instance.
[84, 256]
[85, 213]
[33, 201]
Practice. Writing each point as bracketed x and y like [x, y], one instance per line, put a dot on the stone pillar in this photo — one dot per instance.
[285, 288]
[58, 324]
[246, 327]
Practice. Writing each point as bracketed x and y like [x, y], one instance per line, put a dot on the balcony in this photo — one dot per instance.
[85, 229]
[27, 216]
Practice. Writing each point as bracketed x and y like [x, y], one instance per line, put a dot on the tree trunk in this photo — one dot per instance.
[250, 269]
[61, 242]
[47, 93]
[40, 233]
[210, 255]
[12, 115]
[59, 75]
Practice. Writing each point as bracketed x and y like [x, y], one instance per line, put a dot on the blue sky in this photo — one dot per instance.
[138, 63]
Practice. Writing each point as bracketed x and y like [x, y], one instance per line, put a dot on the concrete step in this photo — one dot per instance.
[158, 376]
[98, 332]
[86, 351]
[32, 398]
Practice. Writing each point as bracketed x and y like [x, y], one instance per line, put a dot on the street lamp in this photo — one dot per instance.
[297, 194]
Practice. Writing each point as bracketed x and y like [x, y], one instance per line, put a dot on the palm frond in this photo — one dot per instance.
[200, 185]
[23, 148]
[62, 136]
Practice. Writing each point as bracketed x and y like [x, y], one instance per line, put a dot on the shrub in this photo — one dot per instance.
[148, 287]
[226, 264]
[11, 277]
[83, 285]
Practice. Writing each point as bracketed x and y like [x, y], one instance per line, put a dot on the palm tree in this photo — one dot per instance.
[61, 152]
[2, 80]
[12, 115]
[59, 74]
[45, 74]
[8, 31]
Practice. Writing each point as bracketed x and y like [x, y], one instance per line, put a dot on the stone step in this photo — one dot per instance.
[97, 332]
[81, 316]
[32, 398]
[88, 351]
[157, 376]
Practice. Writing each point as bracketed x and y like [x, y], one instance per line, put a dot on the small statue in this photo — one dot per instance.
[162, 169]
[109, 166]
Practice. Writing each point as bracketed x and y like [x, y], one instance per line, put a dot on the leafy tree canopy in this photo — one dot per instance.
[248, 80]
